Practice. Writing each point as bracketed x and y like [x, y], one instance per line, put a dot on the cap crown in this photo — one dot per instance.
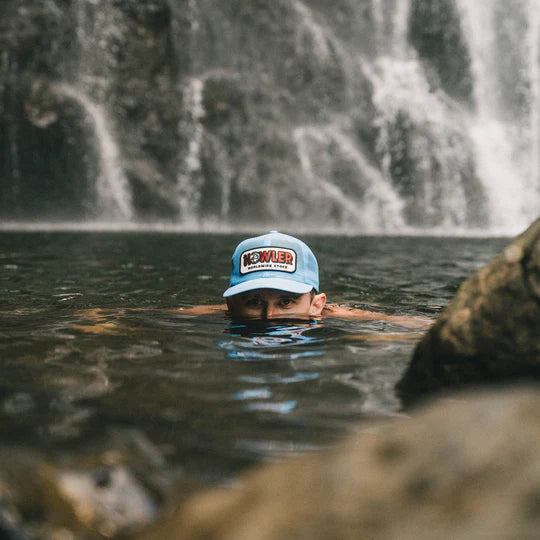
[274, 261]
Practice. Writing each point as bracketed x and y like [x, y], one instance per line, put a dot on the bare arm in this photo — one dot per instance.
[344, 312]
[331, 310]
[201, 310]
[103, 319]
[99, 314]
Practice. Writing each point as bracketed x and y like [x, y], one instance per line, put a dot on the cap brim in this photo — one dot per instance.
[281, 284]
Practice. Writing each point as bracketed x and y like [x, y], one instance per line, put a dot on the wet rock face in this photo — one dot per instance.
[233, 111]
[115, 57]
[464, 468]
[490, 330]
[443, 46]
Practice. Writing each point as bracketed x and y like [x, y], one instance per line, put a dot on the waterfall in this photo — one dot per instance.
[319, 35]
[505, 125]
[391, 19]
[366, 198]
[114, 199]
[92, 76]
[189, 176]
[533, 45]
[416, 126]
[367, 117]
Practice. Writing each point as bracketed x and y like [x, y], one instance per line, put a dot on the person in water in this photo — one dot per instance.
[273, 276]
[276, 276]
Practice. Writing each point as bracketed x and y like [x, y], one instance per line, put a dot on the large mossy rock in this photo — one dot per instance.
[464, 468]
[490, 332]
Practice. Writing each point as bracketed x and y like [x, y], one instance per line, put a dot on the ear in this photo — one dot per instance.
[317, 304]
[230, 304]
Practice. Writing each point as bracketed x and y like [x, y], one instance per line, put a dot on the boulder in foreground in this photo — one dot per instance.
[490, 332]
[464, 468]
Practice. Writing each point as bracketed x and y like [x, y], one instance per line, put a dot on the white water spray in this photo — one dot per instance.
[372, 128]
[391, 18]
[89, 88]
[378, 207]
[402, 93]
[533, 44]
[506, 145]
[189, 178]
[319, 35]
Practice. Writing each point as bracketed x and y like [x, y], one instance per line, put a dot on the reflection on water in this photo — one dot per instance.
[258, 340]
[277, 340]
[95, 357]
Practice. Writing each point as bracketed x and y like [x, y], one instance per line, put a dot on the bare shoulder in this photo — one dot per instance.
[336, 310]
[348, 312]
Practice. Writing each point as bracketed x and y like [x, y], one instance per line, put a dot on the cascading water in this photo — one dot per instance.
[362, 204]
[372, 116]
[503, 41]
[189, 177]
[422, 138]
[111, 185]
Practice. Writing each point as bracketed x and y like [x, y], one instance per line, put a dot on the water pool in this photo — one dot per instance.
[203, 396]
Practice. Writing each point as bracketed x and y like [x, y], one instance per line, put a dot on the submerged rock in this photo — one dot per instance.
[464, 468]
[489, 333]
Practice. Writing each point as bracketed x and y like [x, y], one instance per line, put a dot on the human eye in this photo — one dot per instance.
[286, 301]
[254, 301]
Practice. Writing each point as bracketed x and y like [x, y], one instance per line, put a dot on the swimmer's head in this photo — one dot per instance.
[273, 261]
[277, 270]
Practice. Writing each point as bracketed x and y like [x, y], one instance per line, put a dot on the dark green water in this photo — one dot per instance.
[202, 396]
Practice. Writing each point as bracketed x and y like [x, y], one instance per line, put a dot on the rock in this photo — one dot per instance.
[463, 468]
[42, 499]
[443, 46]
[247, 113]
[105, 500]
[489, 333]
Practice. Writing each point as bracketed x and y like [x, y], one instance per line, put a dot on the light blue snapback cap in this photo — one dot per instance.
[273, 261]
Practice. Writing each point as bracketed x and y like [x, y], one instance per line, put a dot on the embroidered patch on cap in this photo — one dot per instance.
[265, 258]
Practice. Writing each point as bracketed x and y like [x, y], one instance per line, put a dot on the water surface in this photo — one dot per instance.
[203, 396]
